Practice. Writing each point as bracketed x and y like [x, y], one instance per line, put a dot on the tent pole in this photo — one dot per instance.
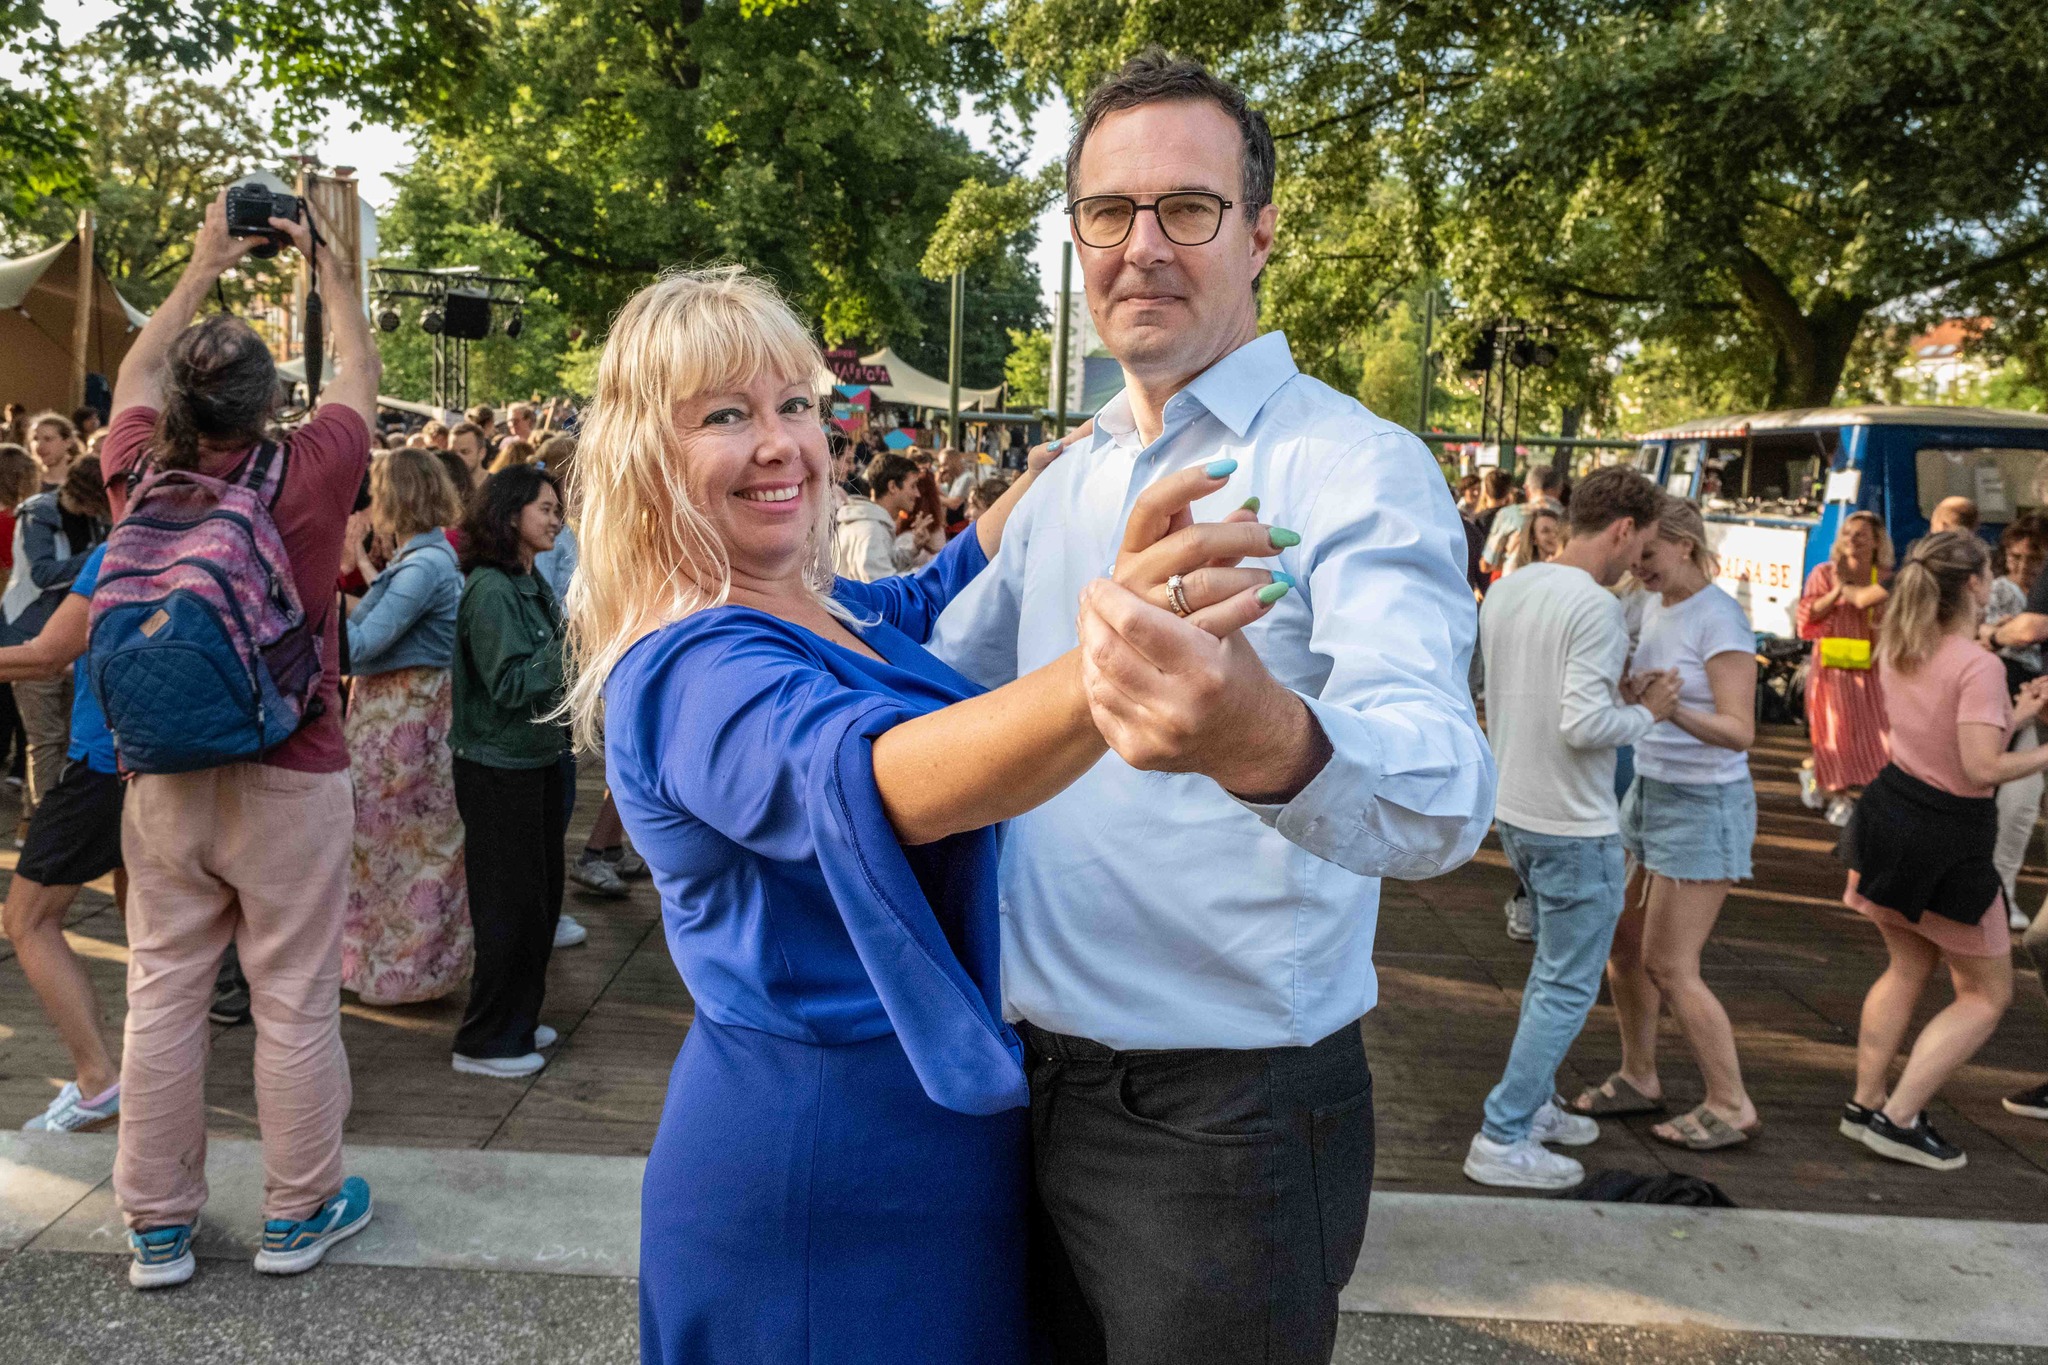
[81, 321]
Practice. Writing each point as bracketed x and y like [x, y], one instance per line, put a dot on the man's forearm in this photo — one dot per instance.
[2027, 628]
[143, 366]
[1297, 750]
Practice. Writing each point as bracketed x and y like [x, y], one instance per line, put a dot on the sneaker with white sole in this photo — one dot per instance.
[569, 932]
[629, 865]
[161, 1257]
[2015, 918]
[292, 1246]
[2028, 1104]
[1553, 1124]
[1855, 1118]
[543, 1036]
[591, 872]
[500, 1068]
[1524, 1165]
[1521, 919]
[1918, 1145]
[70, 1112]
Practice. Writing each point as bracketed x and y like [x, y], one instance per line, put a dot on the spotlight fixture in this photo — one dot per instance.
[387, 319]
[514, 325]
[431, 321]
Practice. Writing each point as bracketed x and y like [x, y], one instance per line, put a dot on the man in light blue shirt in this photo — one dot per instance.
[1187, 930]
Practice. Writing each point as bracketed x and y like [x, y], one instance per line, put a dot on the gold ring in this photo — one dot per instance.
[1176, 595]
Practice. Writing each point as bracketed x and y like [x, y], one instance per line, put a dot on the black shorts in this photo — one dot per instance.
[75, 834]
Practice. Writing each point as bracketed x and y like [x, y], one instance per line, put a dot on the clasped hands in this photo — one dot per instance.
[1187, 694]
[1656, 691]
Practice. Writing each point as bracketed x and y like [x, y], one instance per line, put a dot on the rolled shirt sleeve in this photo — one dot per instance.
[1409, 787]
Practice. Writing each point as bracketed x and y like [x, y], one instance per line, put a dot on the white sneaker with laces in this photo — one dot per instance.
[500, 1068]
[1521, 915]
[1562, 1127]
[1524, 1165]
[569, 932]
[69, 1113]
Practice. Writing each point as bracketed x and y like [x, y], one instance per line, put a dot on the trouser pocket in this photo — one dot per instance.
[1341, 1147]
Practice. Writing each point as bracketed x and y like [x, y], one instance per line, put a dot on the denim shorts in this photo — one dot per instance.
[1690, 832]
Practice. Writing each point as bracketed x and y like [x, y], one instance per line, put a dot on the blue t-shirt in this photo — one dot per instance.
[91, 742]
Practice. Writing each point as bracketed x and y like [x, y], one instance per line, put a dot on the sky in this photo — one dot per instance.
[378, 152]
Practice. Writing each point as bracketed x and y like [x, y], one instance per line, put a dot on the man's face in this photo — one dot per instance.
[1162, 308]
[899, 497]
[470, 449]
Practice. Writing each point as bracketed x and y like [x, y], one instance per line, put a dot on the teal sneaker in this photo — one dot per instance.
[290, 1247]
[162, 1256]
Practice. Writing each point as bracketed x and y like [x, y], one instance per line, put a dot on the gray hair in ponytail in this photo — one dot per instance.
[222, 388]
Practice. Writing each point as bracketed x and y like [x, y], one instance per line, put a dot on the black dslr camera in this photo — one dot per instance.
[251, 206]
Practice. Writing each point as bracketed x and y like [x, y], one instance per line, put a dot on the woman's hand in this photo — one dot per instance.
[1043, 454]
[1162, 539]
[2027, 705]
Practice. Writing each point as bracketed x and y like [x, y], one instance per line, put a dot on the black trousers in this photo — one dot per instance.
[512, 850]
[1196, 1206]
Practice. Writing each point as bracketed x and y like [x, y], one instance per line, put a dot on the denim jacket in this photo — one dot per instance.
[407, 618]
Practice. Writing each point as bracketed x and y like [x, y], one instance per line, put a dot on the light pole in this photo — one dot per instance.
[1062, 341]
[953, 364]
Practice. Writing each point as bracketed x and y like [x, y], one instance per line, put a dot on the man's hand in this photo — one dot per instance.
[2033, 695]
[214, 253]
[1171, 696]
[1659, 694]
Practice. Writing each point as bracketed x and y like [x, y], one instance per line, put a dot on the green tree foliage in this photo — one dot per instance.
[159, 147]
[42, 129]
[793, 136]
[1028, 368]
[1744, 189]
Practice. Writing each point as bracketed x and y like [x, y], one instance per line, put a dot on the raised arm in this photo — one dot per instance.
[357, 367]
[989, 525]
[140, 382]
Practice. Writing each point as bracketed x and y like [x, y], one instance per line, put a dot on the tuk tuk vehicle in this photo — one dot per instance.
[1773, 487]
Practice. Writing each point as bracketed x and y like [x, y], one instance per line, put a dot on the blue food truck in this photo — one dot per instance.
[1774, 486]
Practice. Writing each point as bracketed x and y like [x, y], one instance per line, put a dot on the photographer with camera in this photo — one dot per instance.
[246, 846]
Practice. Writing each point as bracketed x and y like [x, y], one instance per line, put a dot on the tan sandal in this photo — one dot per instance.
[1613, 1098]
[1703, 1130]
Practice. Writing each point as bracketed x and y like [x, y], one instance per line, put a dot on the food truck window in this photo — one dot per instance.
[1647, 456]
[2002, 482]
[1685, 463]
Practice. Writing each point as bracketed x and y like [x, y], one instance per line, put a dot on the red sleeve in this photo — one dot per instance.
[333, 449]
[127, 442]
[1818, 583]
[1981, 698]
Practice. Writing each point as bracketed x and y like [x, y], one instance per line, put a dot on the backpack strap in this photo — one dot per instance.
[257, 470]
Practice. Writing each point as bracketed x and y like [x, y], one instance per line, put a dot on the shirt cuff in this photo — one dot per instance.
[1326, 817]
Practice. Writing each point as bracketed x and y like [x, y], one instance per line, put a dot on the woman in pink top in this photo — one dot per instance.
[1920, 844]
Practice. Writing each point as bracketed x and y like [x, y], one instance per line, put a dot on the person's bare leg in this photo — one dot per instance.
[1681, 918]
[1888, 1010]
[1637, 1001]
[35, 923]
[607, 831]
[1983, 990]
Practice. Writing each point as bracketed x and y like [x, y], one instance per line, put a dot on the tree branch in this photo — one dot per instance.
[1438, 81]
[2010, 256]
[554, 250]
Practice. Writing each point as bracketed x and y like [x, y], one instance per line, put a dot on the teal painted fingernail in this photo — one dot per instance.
[1283, 538]
[1273, 592]
[1220, 469]
[1251, 504]
[1280, 577]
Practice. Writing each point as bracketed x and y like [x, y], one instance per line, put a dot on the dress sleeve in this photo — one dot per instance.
[740, 726]
[1818, 584]
[912, 602]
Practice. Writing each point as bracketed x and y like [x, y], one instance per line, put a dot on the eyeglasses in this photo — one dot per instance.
[1187, 217]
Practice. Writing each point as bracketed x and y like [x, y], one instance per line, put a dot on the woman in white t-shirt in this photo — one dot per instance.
[1689, 820]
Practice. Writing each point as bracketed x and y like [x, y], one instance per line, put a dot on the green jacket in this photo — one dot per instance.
[508, 671]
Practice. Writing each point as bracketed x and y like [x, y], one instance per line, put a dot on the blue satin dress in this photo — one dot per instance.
[840, 1174]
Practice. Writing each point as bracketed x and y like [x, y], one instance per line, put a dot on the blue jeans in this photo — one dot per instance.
[1575, 889]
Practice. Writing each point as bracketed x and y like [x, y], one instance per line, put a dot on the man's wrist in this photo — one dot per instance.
[1286, 751]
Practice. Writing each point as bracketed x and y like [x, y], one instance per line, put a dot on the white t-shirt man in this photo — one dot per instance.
[1556, 643]
[1684, 637]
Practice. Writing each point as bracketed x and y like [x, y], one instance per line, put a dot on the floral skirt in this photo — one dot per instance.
[406, 936]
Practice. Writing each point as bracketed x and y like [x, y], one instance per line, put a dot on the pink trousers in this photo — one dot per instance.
[257, 856]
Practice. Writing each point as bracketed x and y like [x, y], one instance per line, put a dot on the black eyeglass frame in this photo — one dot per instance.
[1222, 206]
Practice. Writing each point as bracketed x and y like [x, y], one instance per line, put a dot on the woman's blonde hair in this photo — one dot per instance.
[1883, 558]
[512, 451]
[648, 555]
[1679, 522]
[1929, 595]
[411, 492]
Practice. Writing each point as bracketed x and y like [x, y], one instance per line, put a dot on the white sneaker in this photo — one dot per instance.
[569, 933]
[2015, 917]
[1839, 811]
[1524, 1165]
[500, 1068]
[1809, 789]
[1562, 1127]
[69, 1113]
[1521, 919]
[591, 872]
[543, 1036]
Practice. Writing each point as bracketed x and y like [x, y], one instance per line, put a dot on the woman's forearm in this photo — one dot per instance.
[989, 525]
[1713, 727]
[985, 759]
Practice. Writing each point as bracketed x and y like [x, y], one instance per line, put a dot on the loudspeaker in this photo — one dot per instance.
[468, 315]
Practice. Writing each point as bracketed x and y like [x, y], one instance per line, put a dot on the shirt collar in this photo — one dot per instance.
[1233, 390]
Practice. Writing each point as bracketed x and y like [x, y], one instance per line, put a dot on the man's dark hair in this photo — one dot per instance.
[469, 429]
[458, 471]
[88, 413]
[887, 470]
[1547, 478]
[221, 387]
[1155, 75]
[1607, 495]
[490, 523]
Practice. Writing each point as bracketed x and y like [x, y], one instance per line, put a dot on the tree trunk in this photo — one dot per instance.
[1812, 344]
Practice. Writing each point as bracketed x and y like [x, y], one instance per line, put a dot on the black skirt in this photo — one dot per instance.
[1920, 850]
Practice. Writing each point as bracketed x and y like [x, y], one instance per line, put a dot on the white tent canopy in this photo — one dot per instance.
[912, 387]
